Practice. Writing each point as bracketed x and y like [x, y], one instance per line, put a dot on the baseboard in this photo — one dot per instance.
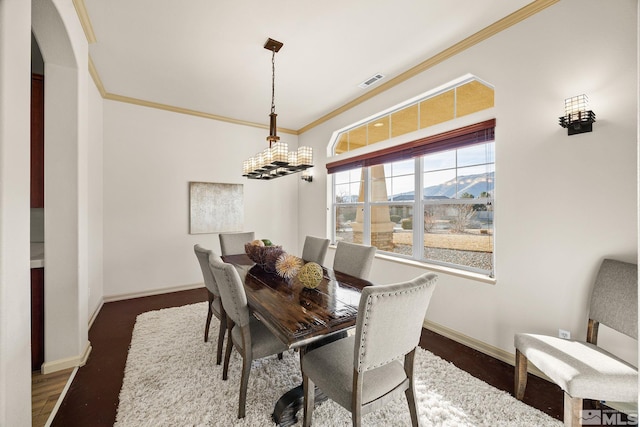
[95, 312]
[482, 347]
[69, 362]
[121, 297]
[630, 408]
[54, 411]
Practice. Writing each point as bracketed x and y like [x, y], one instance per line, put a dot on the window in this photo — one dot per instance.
[447, 221]
[348, 206]
[459, 98]
[458, 188]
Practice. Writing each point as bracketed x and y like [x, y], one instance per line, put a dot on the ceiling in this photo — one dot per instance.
[208, 55]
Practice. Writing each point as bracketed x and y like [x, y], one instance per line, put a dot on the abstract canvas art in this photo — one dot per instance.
[215, 207]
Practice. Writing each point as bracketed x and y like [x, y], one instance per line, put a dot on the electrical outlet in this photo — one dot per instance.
[564, 334]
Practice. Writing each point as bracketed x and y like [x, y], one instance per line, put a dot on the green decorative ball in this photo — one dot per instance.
[310, 275]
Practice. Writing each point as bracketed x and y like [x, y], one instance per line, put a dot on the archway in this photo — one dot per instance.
[64, 49]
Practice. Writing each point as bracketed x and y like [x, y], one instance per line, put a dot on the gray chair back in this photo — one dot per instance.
[234, 299]
[315, 249]
[382, 334]
[614, 300]
[353, 259]
[203, 258]
[233, 243]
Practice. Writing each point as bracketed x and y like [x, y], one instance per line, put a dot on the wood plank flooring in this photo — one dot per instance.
[92, 399]
[45, 391]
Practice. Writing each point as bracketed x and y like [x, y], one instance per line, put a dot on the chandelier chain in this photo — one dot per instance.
[276, 160]
[273, 81]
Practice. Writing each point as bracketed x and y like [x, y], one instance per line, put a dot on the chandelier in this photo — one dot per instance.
[277, 160]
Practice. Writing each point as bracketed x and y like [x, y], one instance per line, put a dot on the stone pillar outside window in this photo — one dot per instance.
[381, 225]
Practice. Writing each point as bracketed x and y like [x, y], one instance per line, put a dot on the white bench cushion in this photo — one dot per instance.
[581, 369]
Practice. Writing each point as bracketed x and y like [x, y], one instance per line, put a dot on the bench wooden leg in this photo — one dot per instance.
[572, 410]
[520, 375]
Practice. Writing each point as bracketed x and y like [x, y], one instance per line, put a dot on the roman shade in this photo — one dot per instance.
[457, 138]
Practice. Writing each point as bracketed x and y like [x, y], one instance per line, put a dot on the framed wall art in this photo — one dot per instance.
[215, 207]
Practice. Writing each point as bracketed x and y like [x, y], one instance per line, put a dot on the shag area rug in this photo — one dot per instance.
[171, 379]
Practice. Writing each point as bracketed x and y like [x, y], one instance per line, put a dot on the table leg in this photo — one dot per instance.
[287, 407]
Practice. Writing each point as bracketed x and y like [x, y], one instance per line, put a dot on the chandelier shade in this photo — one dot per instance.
[276, 160]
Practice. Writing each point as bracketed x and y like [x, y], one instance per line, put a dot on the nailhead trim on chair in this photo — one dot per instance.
[364, 323]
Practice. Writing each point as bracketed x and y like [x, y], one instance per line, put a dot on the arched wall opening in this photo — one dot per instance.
[64, 51]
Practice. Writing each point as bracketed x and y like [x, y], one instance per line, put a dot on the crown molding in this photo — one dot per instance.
[493, 29]
[166, 107]
[120, 98]
[81, 10]
[96, 78]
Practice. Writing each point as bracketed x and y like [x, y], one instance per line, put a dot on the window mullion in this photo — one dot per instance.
[418, 211]
[366, 231]
[334, 211]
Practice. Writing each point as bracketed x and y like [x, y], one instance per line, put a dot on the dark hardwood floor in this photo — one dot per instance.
[92, 399]
[540, 394]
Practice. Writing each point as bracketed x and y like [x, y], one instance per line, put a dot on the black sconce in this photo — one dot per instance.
[306, 176]
[578, 118]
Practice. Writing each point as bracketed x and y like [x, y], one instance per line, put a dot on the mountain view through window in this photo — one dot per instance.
[453, 218]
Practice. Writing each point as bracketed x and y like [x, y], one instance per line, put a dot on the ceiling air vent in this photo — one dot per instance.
[371, 80]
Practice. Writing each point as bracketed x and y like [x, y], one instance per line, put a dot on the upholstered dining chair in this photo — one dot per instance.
[233, 243]
[315, 249]
[582, 369]
[354, 259]
[365, 371]
[251, 338]
[215, 303]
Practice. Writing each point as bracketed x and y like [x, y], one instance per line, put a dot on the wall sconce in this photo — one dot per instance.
[306, 176]
[578, 118]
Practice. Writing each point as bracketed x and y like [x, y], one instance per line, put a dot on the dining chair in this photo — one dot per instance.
[233, 243]
[582, 369]
[315, 249]
[367, 370]
[354, 259]
[215, 303]
[251, 338]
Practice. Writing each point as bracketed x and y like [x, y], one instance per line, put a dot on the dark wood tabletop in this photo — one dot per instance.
[295, 314]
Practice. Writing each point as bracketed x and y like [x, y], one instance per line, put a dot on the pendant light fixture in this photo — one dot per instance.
[277, 160]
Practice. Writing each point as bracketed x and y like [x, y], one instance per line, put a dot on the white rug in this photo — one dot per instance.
[171, 379]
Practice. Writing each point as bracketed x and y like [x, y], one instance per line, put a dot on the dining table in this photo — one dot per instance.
[302, 318]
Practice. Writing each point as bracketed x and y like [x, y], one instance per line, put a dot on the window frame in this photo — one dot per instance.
[419, 203]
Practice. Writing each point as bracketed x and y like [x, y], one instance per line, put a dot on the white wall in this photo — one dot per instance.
[150, 156]
[95, 217]
[15, 83]
[562, 203]
[65, 52]
[56, 26]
